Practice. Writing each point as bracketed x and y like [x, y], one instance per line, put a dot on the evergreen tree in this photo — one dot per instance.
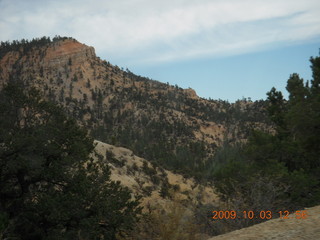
[289, 157]
[50, 187]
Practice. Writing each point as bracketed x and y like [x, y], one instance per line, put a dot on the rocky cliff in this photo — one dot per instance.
[163, 123]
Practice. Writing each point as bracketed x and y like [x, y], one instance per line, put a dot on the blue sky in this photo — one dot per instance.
[225, 49]
[234, 77]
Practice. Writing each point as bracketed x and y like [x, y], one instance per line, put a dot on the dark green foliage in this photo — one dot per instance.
[276, 107]
[155, 179]
[111, 158]
[147, 190]
[49, 186]
[75, 78]
[176, 187]
[284, 166]
[149, 171]
[165, 190]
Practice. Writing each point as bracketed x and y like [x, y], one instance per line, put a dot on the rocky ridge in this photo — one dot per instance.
[160, 122]
[69, 66]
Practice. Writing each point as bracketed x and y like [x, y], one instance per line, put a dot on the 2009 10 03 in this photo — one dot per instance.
[257, 215]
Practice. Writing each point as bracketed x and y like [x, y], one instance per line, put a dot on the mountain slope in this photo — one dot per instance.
[147, 179]
[165, 124]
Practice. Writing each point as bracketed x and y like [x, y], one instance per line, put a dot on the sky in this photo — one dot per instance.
[224, 49]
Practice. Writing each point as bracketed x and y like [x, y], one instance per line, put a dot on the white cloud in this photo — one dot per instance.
[151, 31]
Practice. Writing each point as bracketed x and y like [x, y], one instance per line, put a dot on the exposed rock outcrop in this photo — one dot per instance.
[68, 52]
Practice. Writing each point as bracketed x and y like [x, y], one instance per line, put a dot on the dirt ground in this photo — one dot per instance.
[280, 229]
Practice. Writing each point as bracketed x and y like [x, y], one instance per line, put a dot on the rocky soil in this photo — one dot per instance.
[138, 179]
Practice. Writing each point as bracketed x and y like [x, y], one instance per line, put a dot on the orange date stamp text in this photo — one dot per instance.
[263, 214]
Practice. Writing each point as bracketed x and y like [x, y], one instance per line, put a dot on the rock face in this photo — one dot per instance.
[157, 121]
[58, 55]
[191, 93]
[280, 229]
[68, 52]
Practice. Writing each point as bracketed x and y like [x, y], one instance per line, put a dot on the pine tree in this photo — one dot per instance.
[50, 187]
[289, 156]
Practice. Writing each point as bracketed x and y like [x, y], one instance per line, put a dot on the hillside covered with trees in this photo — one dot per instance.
[57, 96]
[279, 170]
[50, 187]
[168, 125]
